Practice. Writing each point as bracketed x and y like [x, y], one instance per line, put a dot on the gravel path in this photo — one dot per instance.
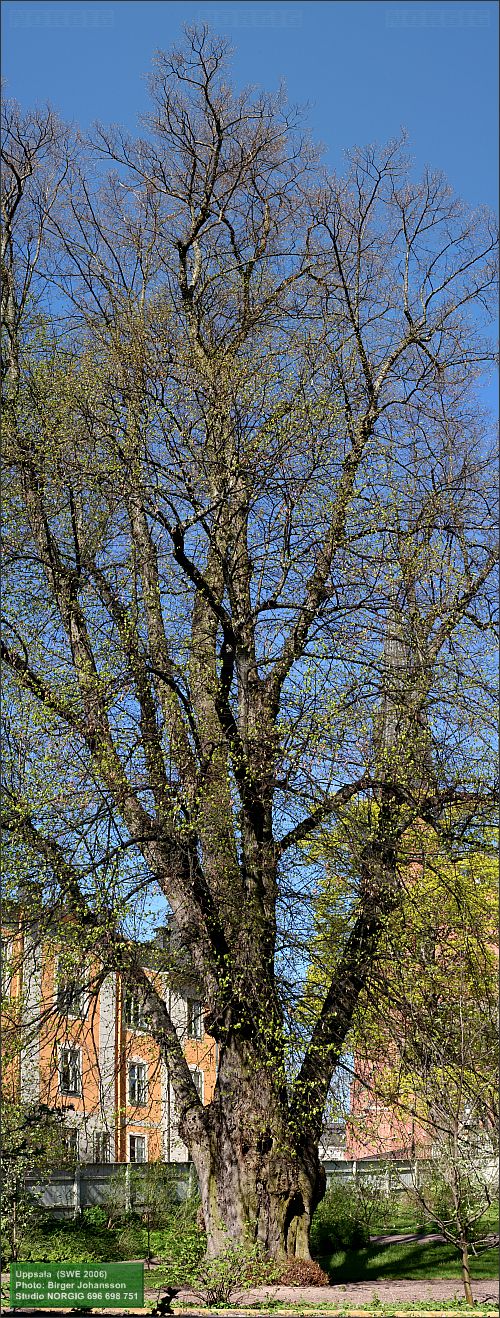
[361, 1292]
[356, 1294]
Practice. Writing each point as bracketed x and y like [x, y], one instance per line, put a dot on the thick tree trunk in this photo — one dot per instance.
[259, 1180]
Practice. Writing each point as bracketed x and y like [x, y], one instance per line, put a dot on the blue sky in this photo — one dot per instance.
[366, 69]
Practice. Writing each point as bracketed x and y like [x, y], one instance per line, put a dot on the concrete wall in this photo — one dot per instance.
[385, 1175]
[66, 1193]
[389, 1175]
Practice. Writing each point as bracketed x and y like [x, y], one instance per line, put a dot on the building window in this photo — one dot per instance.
[102, 1146]
[70, 1071]
[137, 1084]
[137, 1146]
[6, 967]
[135, 1014]
[71, 1144]
[195, 1019]
[71, 996]
[197, 1077]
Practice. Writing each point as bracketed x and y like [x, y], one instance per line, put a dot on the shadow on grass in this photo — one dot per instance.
[408, 1262]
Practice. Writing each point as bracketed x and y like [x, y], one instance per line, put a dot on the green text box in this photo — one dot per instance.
[76, 1285]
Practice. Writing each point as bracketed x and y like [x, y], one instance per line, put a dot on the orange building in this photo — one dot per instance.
[375, 1129]
[77, 1041]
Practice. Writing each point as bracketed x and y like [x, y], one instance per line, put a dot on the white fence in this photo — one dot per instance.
[391, 1174]
[387, 1175]
[67, 1192]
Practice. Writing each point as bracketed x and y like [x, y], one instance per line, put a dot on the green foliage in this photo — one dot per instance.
[449, 900]
[339, 1220]
[148, 1220]
[413, 1307]
[131, 1240]
[181, 1244]
[116, 1201]
[153, 1193]
[395, 1212]
[148, 1194]
[32, 1142]
[222, 1279]
[56, 1242]
[95, 1216]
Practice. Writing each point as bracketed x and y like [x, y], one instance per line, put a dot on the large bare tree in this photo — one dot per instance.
[241, 420]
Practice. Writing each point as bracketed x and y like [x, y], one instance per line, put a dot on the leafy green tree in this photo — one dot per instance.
[459, 1184]
[428, 1020]
[424, 1035]
[241, 418]
[32, 1142]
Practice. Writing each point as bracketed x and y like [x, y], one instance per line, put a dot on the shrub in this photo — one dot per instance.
[222, 1279]
[397, 1209]
[304, 1272]
[95, 1216]
[130, 1239]
[57, 1244]
[153, 1193]
[181, 1245]
[339, 1221]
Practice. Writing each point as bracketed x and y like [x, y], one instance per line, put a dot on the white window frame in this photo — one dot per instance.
[72, 1134]
[135, 1062]
[134, 1161]
[194, 1019]
[70, 1048]
[141, 1025]
[195, 1071]
[6, 968]
[64, 985]
[98, 1137]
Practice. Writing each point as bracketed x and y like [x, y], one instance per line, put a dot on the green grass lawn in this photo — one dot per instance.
[403, 1218]
[413, 1261]
[78, 1242]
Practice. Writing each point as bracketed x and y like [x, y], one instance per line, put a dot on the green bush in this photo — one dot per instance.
[131, 1240]
[398, 1211]
[181, 1245]
[154, 1194]
[222, 1279]
[95, 1216]
[147, 1194]
[179, 1241]
[340, 1221]
[70, 1241]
